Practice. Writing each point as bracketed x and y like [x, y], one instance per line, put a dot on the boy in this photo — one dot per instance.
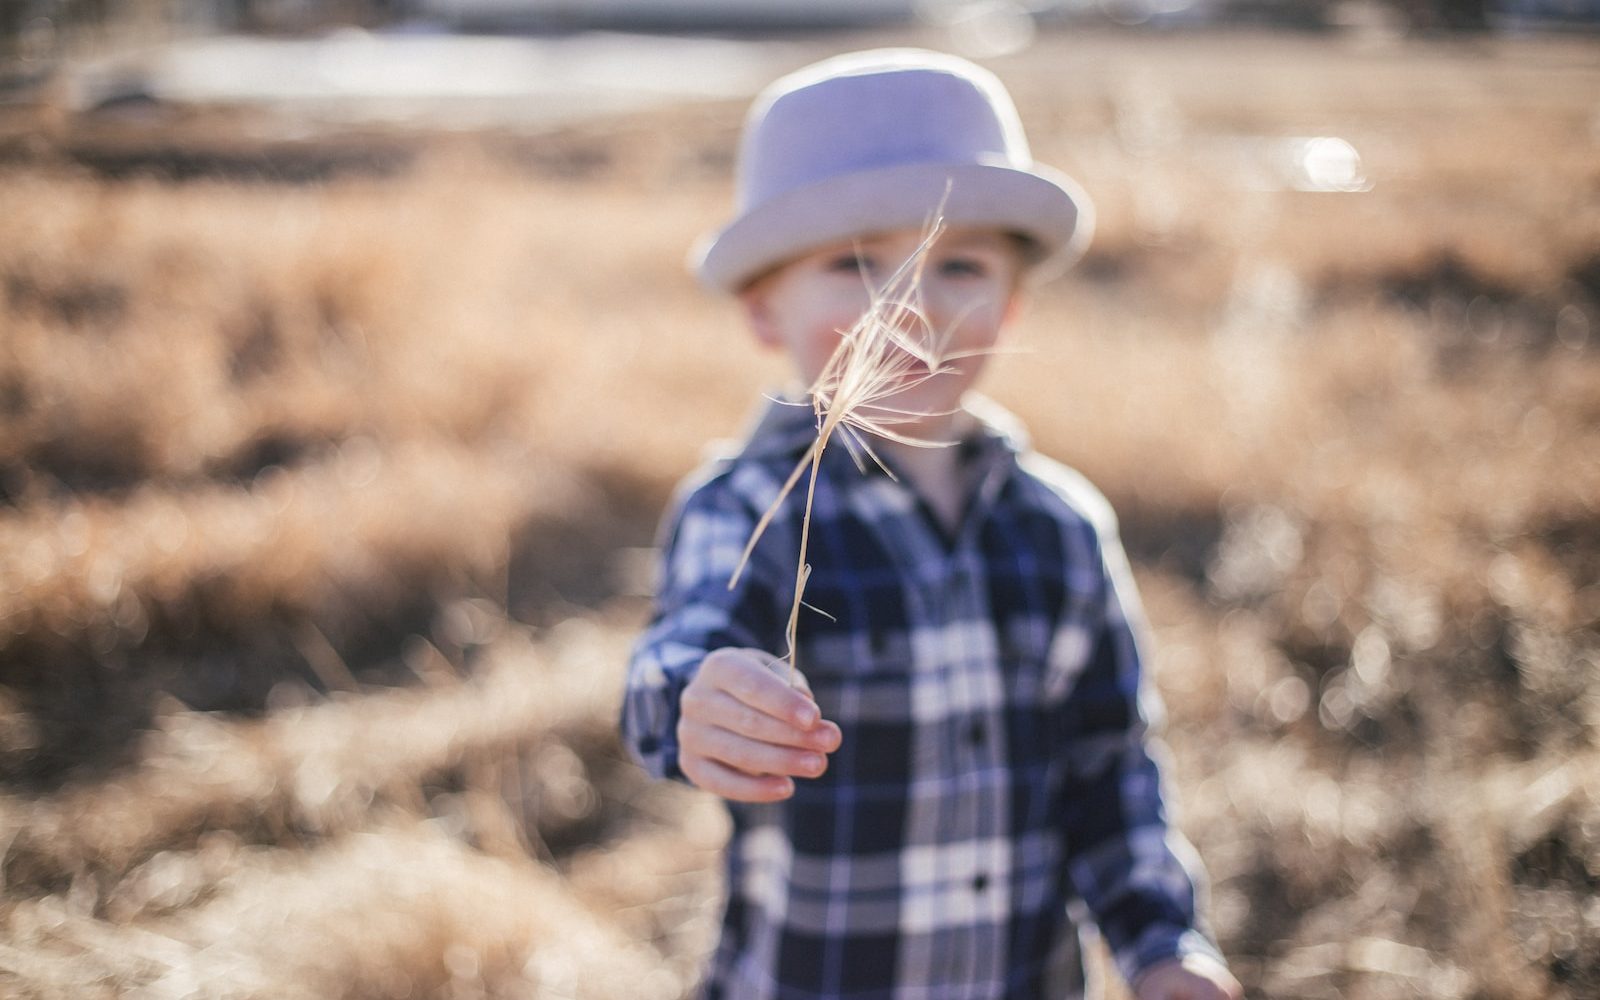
[957, 777]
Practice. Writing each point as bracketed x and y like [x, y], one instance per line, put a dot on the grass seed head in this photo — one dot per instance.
[891, 348]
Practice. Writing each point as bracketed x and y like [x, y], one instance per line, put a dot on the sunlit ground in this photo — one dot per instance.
[330, 457]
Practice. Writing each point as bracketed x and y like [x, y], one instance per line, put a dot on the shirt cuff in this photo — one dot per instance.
[1162, 944]
[658, 757]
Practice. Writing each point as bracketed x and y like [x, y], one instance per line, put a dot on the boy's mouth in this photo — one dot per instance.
[915, 372]
[914, 364]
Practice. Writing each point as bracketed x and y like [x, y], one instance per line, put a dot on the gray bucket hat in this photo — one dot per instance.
[880, 140]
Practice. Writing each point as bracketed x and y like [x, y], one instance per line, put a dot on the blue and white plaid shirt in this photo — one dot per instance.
[993, 776]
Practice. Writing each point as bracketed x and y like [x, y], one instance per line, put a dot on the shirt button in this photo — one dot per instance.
[980, 882]
[975, 733]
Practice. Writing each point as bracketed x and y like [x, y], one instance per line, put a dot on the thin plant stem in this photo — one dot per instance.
[873, 362]
[766, 518]
[803, 573]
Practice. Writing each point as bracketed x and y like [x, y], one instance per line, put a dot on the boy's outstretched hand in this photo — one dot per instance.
[1193, 977]
[744, 733]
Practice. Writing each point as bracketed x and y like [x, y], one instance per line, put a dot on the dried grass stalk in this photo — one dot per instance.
[891, 348]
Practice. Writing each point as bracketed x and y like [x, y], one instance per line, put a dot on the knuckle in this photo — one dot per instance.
[693, 698]
[704, 777]
[735, 668]
[724, 660]
[761, 688]
[689, 737]
[749, 721]
[712, 742]
[790, 762]
[709, 673]
[715, 659]
[690, 766]
[735, 672]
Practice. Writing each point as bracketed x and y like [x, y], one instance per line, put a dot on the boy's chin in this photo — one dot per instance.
[922, 415]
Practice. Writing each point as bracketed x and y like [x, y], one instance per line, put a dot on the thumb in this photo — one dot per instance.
[791, 675]
[797, 680]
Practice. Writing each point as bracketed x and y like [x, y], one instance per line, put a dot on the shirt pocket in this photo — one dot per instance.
[851, 671]
[862, 683]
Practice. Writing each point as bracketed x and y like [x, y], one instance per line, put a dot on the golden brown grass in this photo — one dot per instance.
[321, 509]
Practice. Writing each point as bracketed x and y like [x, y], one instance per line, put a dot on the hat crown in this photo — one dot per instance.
[871, 110]
[884, 140]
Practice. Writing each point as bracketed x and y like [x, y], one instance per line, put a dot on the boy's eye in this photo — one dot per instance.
[851, 263]
[963, 267]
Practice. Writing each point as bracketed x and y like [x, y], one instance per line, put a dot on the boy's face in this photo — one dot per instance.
[968, 291]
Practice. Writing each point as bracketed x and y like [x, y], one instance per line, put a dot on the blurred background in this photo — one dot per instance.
[347, 359]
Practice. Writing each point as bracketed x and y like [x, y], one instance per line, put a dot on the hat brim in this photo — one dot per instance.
[1042, 204]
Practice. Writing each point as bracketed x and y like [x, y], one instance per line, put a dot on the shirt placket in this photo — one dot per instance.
[980, 810]
[974, 812]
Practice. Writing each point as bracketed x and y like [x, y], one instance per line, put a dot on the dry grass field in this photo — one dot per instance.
[329, 466]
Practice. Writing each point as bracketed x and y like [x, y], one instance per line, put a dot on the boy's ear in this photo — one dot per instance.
[758, 314]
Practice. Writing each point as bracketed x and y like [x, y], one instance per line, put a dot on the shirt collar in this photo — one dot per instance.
[786, 425]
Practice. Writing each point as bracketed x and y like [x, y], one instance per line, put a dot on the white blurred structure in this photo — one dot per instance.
[697, 13]
[437, 78]
[977, 28]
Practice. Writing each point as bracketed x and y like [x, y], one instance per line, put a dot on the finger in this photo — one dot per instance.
[751, 756]
[704, 707]
[793, 677]
[729, 783]
[721, 709]
[825, 736]
[748, 676]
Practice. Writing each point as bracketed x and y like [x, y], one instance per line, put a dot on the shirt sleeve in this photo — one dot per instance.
[696, 612]
[1137, 874]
